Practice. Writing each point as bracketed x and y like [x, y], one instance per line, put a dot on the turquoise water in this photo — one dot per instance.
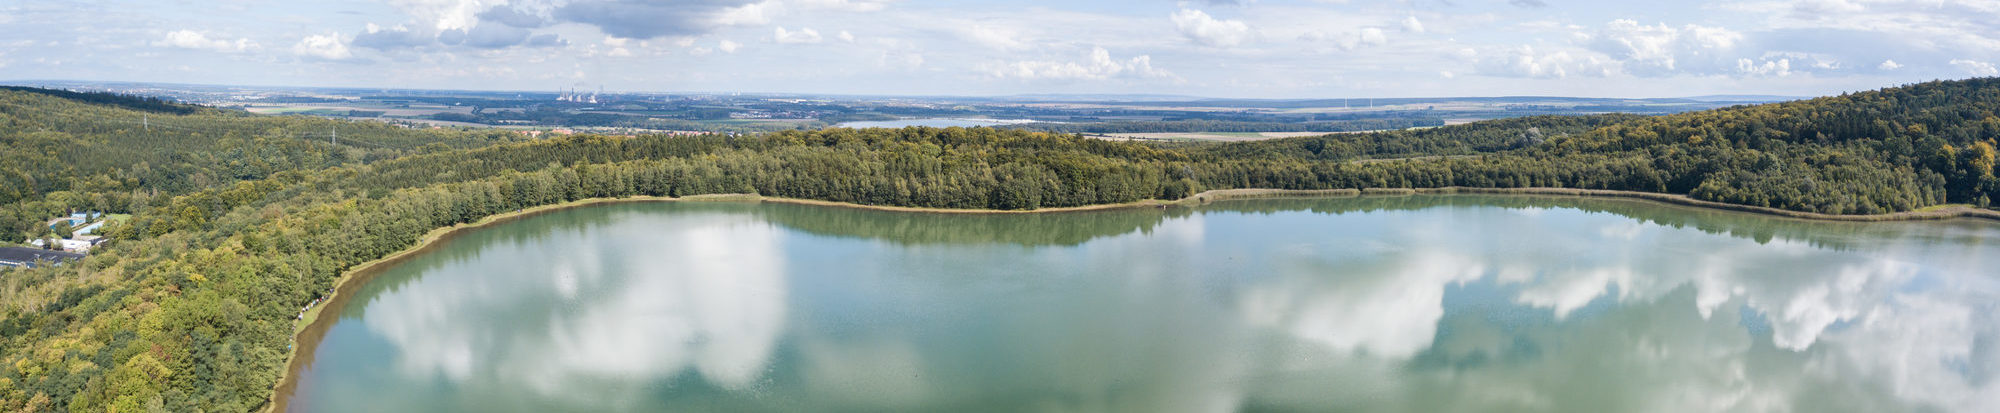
[1419, 304]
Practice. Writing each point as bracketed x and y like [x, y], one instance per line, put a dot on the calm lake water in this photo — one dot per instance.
[1417, 304]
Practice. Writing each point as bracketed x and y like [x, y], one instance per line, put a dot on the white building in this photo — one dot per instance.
[80, 244]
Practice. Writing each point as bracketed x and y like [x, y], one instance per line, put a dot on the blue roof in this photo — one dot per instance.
[72, 222]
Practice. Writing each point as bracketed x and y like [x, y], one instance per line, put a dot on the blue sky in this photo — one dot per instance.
[1220, 48]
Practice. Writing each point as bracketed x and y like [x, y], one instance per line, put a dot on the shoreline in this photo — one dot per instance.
[313, 328]
[1945, 213]
[1213, 195]
[952, 211]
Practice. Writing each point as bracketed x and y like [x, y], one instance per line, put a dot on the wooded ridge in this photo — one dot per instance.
[240, 220]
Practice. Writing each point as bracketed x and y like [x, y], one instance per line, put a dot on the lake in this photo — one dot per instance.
[1398, 304]
[932, 122]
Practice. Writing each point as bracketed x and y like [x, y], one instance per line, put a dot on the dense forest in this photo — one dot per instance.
[109, 153]
[240, 220]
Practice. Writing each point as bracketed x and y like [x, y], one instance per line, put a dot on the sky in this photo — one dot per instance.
[1212, 48]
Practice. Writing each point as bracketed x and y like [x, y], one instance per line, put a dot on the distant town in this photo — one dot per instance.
[578, 109]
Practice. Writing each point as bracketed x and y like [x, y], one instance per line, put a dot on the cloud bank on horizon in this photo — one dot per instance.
[1224, 48]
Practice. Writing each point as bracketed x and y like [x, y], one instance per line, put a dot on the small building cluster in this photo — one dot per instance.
[82, 238]
[79, 244]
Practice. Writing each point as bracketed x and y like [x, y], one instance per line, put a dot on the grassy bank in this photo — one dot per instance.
[1927, 214]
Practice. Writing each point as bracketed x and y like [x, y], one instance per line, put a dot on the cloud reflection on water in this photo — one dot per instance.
[704, 293]
[1915, 344]
[1440, 309]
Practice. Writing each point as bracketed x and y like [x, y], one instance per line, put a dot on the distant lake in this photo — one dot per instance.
[1397, 304]
[932, 122]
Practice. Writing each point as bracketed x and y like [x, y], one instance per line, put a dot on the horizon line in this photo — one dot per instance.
[30, 82]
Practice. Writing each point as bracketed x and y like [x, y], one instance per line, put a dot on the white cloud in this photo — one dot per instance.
[1237, 51]
[1203, 29]
[446, 14]
[189, 39]
[617, 47]
[1779, 68]
[323, 46]
[1099, 65]
[1955, 24]
[988, 35]
[1975, 67]
[647, 19]
[1366, 37]
[1662, 49]
[1527, 62]
[748, 14]
[1876, 30]
[402, 38]
[1819, 9]
[845, 5]
[1373, 37]
[656, 19]
[904, 61]
[1628, 39]
[802, 36]
[1711, 37]
[728, 46]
